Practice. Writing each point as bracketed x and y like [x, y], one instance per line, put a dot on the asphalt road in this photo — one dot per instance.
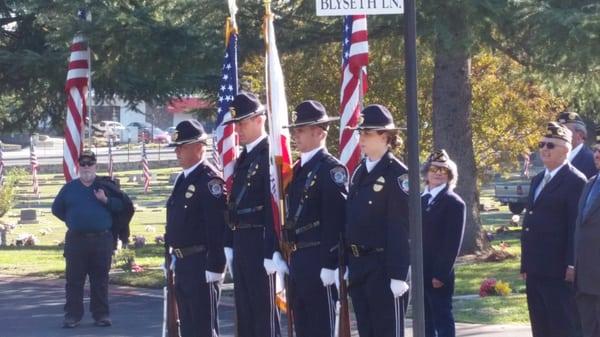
[32, 307]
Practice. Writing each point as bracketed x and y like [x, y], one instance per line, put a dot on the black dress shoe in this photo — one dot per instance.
[70, 323]
[104, 321]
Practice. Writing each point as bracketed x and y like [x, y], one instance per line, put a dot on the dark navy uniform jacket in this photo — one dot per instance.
[549, 224]
[196, 214]
[377, 213]
[323, 202]
[443, 229]
[584, 162]
[251, 182]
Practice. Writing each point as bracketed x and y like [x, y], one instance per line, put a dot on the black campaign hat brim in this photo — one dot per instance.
[237, 119]
[188, 141]
[318, 122]
[375, 128]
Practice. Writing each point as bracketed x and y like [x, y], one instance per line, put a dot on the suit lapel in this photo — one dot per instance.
[438, 197]
[595, 203]
[535, 182]
[554, 182]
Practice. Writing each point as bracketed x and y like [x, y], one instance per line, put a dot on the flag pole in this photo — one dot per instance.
[414, 205]
[88, 17]
[285, 248]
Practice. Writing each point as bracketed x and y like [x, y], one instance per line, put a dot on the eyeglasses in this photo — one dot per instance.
[84, 163]
[438, 169]
[548, 145]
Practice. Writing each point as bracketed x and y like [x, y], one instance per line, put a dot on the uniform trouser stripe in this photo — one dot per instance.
[213, 307]
[397, 315]
[331, 305]
[164, 329]
[272, 303]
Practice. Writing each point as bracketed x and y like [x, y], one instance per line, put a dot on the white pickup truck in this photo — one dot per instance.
[514, 189]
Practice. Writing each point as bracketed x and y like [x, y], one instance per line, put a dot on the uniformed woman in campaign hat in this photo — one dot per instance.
[443, 227]
[377, 229]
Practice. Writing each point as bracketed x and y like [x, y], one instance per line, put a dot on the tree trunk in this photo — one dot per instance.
[452, 130]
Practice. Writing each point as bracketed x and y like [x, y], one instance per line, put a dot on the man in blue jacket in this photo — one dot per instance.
[88, 213]
[580, 156]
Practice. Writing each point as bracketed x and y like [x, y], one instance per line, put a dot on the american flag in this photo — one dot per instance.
[110, 158]
[225, 143]
[34, 167]
[77, 90]
[280, 165]
[145, 168]
[355, 59]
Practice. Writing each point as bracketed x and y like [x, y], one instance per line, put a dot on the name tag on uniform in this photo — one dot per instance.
[378, 185]
[190, 191]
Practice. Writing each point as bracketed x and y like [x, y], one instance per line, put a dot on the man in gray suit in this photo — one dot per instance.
[587, 252]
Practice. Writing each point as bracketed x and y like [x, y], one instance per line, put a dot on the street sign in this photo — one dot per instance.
[357, 7]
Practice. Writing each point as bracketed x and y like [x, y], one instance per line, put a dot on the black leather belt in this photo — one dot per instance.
[305, 244]
[187, 251]
[245, 226]
[307, 227]
[360, 250]
[250, 210]
[89, 234]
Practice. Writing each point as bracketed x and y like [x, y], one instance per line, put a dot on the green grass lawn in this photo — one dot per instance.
[492, 310]
[46, 259]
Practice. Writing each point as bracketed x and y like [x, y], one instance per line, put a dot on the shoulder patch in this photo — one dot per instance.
[403, 182]
[339, 175]
[215, 187]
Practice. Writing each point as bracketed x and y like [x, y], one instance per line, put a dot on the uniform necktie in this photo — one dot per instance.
[542, 185]
[425, 200]
[179, 180]
[592, 196]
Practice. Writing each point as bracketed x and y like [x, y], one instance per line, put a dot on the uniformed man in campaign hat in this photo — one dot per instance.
[195, 227]
[547, 262]
[251, 244]
[377, 229]
[580, 155]
[316, 200]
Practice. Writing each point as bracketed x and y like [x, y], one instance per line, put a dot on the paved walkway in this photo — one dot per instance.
[32, 307]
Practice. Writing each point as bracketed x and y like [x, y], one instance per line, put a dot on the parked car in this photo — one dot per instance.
[154, 134]
[109, 129]
[108, 125]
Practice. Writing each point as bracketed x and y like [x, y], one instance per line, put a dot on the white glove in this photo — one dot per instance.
[229, 260]
[269, 266]
[213, 277]
[398, 287]
[328, 277]
[280, 264]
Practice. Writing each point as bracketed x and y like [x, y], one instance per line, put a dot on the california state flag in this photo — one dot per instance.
[277, 114]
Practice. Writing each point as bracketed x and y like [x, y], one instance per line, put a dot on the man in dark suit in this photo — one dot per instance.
[250, 241]
[195, 226]
[547, 261]
[580, 156]
[316, 201]
[587, 253]
[443, 228]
